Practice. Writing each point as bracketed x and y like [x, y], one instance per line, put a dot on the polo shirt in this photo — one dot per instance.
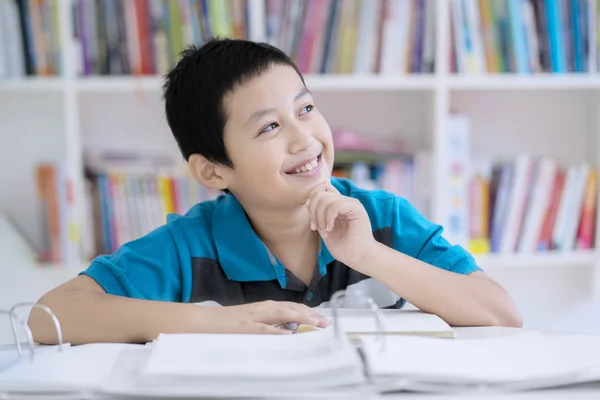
[212, 255]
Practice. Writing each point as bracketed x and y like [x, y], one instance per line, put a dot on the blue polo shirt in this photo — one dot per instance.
[212, 254]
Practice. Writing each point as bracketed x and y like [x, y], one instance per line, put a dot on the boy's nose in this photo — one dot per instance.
[300, 139]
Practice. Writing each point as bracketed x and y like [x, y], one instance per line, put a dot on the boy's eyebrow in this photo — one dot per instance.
[260, 113]
[302, 93]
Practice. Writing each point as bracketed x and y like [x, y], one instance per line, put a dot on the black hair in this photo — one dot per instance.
[195, 89]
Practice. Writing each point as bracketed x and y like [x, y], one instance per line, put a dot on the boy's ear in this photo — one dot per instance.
[206, 172]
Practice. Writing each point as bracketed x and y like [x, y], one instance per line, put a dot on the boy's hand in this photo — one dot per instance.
[262, 317]
[342, 222]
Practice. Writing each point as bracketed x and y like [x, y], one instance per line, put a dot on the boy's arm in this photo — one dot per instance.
[420, 265]
[87, 314]
[459, 299]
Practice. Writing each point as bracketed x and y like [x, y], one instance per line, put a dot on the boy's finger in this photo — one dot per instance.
[312, 212]
[267, 329]
[313, 209]
[323, 320]
[285, 315]
[330, 215]
[332, 189]
[348, 206]
[325, 204]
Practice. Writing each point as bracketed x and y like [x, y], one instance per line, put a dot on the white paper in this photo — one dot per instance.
[517, 358]
[394, 321]
[76, 368]
[191, 358]
[124, 382]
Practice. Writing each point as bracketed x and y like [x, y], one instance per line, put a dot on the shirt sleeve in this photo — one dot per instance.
[416, 236]
[147, 268]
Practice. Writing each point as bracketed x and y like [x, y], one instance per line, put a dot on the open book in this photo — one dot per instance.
[405, 322]
[208, 365]
[253, 365]
[240, 365]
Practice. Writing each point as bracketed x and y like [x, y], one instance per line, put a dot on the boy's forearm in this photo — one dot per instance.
[88, 316]
[461, 300]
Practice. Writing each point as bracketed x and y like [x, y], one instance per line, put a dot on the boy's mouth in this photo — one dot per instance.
[307, 167]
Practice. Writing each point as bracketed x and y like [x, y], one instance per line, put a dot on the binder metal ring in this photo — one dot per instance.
[16, 337]
[376, 311]
[48, 311]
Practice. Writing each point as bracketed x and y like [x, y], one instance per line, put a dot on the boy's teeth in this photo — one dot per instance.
[308, 166]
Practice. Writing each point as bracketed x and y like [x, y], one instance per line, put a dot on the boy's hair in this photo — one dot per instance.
[194, 91]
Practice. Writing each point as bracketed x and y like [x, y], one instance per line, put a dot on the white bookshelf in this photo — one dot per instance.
[493, 262]
[538, 114]
[541, 82]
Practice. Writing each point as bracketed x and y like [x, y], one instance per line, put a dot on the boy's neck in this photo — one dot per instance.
[289, 238]
[286, 227]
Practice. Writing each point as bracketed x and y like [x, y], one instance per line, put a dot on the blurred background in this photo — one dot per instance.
[483, 113]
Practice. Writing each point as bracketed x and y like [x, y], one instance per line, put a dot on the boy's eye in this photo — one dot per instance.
[270, 127]
[307, 109]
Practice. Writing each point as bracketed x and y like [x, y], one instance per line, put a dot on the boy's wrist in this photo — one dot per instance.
[369, 261]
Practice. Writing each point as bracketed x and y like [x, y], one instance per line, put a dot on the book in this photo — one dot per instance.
[356, 322]
[290, 362]
[192, 365]
[322, 362]
[527, 360]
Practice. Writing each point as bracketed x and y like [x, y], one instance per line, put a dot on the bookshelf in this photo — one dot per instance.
[538, 113]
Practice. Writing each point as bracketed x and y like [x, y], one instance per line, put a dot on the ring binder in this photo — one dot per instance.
[14, 319]
[48, 311]
[16, 337]
[364, 370]
[335, 301]
[379, 320]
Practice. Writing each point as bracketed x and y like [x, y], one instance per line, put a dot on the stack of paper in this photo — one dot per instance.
[528, 360]
[315, 359]
[77, 369]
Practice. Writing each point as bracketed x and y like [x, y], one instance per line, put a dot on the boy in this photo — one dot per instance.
[284, 238]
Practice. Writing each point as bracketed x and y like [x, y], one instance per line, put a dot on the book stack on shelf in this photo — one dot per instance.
[515, 36]
[60, 237]
[129, 195]
[393, 167]
[532, 205]
[350, 36]
[145, 37]
[321, 36]
[29, 38]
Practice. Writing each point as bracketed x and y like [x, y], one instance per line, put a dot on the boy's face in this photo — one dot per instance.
[279, 143]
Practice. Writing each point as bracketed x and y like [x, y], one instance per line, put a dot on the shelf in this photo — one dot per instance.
[378, 83]
[112, 84]
[32, 84]
[525, 82]
[540, 260]
[370, 82]
[314, 83]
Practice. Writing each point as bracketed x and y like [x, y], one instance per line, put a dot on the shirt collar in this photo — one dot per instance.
[242, 255]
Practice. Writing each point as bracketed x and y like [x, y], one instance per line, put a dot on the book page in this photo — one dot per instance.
[269, 357]
[414, 322]
[516, 358]
[76, 368]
